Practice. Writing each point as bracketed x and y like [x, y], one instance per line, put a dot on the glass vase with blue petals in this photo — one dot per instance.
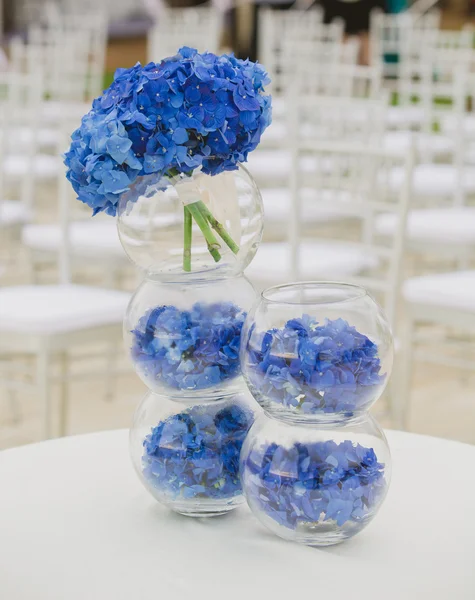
[316, 466]
[162, 149]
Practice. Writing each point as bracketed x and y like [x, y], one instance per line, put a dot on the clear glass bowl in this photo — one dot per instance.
[316, 350]
[315, 484]
[184, 338]
[187, 454]
[151, 222]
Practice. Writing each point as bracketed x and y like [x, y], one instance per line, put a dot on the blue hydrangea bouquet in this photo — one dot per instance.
[189, 115]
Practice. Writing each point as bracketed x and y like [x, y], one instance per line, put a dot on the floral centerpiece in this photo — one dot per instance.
[190, 115]
[162, 149]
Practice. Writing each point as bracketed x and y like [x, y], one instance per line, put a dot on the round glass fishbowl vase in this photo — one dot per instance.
[184, 337]
[187, 454]
[192, 224]
[316, 351]
[315, 484]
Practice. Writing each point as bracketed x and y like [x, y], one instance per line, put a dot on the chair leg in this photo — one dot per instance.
[14, 406]
[111, 367]
[64, 394]
[401, 392]
[44, 388]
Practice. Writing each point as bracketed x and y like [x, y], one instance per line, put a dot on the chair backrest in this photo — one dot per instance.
[335, 119]
[289, 34]
[389, 35]
[62, 59]
[354, 180]
[198, 27]
[20, 101]
[438, 79]
[458, 39]
[91, 32]
[337, 80]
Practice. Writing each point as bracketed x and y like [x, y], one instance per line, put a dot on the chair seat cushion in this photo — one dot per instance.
[449, 124]
[315, 207]
[452, 225]
[53, 111]
[44, 166]
[435, 180]
[46, 137]
[434, 145]
[272, 263]
[454, 290]
[96, 238]
[47, 309]
[275, 165]
[13, 213]
[400, 116]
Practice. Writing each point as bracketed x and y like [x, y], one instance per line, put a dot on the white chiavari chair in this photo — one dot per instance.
[90, 239]
[20, 103]
[49, 322]
[276, 26]
[435, 304]
[326, 118]
[389, 35]
[351, 179]
[320, 79]
[440, 223]
[197, 27]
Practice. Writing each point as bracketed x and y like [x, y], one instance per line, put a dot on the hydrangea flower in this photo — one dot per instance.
[189, 350]
[314, 368]
[195, 453]
[310, 483]
[187, 112]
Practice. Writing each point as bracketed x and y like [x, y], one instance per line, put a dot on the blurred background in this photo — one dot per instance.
[395, 77]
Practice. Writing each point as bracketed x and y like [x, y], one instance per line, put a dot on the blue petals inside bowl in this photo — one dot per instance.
[311, 368]
[313, 483]
[195, 454]
[189, 349]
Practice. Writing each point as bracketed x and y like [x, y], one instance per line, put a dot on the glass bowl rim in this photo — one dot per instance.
[272, 294]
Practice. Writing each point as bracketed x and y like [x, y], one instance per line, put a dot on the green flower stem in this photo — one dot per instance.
[213, 244]
[188, 221]
[218, 227]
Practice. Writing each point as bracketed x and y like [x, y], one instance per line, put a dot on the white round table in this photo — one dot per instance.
[75, 523]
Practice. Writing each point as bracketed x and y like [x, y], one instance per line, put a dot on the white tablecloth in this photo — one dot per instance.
[75, 523]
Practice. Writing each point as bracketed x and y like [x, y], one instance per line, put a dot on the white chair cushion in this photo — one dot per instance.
[449, 124]
[332, 260]
[454, 290]
[53, 111]
[59, 308]
[87, 238]
[13, 213]
[400, 116]
[275, 165]
[278, 107]
[452, 225]
[44, 166]
[434, 180]
[401, 141]
[45, 137]
[315, 207]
